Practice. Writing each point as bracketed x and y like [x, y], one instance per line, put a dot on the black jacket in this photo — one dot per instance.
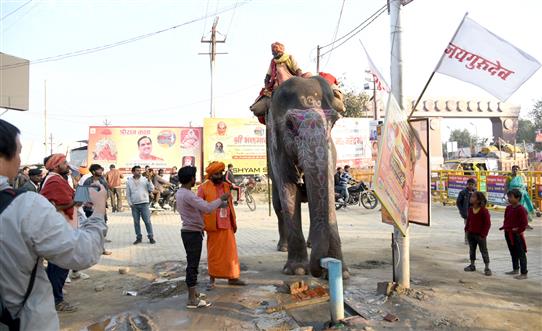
[463, 203]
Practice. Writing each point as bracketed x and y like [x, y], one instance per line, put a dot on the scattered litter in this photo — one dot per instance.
[130, 293]
[99, 288]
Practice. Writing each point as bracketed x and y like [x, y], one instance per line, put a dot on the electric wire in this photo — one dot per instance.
[353, 35]
[16, 10]
[115, 44]
[336, 31]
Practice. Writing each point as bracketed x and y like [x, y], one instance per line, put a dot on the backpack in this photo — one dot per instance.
[14, 322]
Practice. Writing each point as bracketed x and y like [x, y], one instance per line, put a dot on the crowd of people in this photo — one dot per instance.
[477, 220]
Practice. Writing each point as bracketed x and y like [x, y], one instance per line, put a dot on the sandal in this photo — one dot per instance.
[236, 282]
[65, 307]
[201, 296]
[210, 286]
[487, 272]
[199, 304]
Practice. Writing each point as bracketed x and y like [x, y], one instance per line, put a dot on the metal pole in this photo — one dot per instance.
[374, 98]
[403, 242]
[317, 59]
[45, 116]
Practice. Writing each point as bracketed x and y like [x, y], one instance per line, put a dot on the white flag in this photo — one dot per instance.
[478, 56]
[380, 82]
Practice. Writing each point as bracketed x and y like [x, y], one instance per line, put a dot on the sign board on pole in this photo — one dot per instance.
[394, 169]
[14, 80]
[419, 208]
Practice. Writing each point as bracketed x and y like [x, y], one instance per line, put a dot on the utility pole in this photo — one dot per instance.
[402, 243]
[45, 116]
[51, 143]
[212, 56]
[318, 59]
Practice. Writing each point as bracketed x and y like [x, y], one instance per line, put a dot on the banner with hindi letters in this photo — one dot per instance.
[239, 141]
[156, 147]
[478, 56]
[352, 142]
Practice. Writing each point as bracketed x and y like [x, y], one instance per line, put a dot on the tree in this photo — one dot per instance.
[536, 115]
[526, 131]
[355, 104]
[463, 138]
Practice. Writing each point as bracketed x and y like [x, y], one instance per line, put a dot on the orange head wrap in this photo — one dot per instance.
[213, 168]
[277, 47]
[54, 161]
[83, 170]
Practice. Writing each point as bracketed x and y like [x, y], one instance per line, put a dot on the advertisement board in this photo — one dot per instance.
[394, 169]
[351, 138]
[419, 208]
[156, 147]
[496, 188]
[457, 184]
[239, 141]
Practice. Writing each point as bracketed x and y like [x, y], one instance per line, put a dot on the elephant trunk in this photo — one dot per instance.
[311, 130]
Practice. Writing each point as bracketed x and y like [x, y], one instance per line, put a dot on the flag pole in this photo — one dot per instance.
[435, 70]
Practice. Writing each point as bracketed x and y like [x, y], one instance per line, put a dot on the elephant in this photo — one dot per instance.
[301, 163]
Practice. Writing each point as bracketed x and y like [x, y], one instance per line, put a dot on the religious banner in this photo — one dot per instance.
[351, 138]
[239, 141]
[478, 56]
[394, 170]
[156, 147]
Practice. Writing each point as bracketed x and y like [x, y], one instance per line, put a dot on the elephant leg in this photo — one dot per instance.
[291, 211]
[282, 245]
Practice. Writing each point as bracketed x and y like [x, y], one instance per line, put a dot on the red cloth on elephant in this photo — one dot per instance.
[329, 78]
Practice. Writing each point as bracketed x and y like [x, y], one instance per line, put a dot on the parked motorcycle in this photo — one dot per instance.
[358, 194]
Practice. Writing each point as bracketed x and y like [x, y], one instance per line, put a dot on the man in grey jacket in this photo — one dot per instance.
[137, 194]
[32, 229]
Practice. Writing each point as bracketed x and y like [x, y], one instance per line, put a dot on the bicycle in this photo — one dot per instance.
[247, 186]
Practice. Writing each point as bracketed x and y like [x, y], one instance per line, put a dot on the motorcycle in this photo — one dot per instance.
[167, 198]
[358, 194]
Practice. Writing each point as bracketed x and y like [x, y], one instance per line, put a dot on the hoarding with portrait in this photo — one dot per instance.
[156, 147]
[239, 141]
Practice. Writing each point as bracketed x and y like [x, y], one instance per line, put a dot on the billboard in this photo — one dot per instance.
[156, 147]
[351, 138]
[239, 141]
[14, 82]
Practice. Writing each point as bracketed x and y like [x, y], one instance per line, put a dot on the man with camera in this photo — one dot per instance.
[33, 229]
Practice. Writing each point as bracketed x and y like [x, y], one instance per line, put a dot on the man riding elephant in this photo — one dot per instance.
[283, 66]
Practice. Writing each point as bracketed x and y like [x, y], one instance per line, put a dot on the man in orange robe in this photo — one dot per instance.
[220, 226]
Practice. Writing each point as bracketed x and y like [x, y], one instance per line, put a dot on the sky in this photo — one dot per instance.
[163, 81]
